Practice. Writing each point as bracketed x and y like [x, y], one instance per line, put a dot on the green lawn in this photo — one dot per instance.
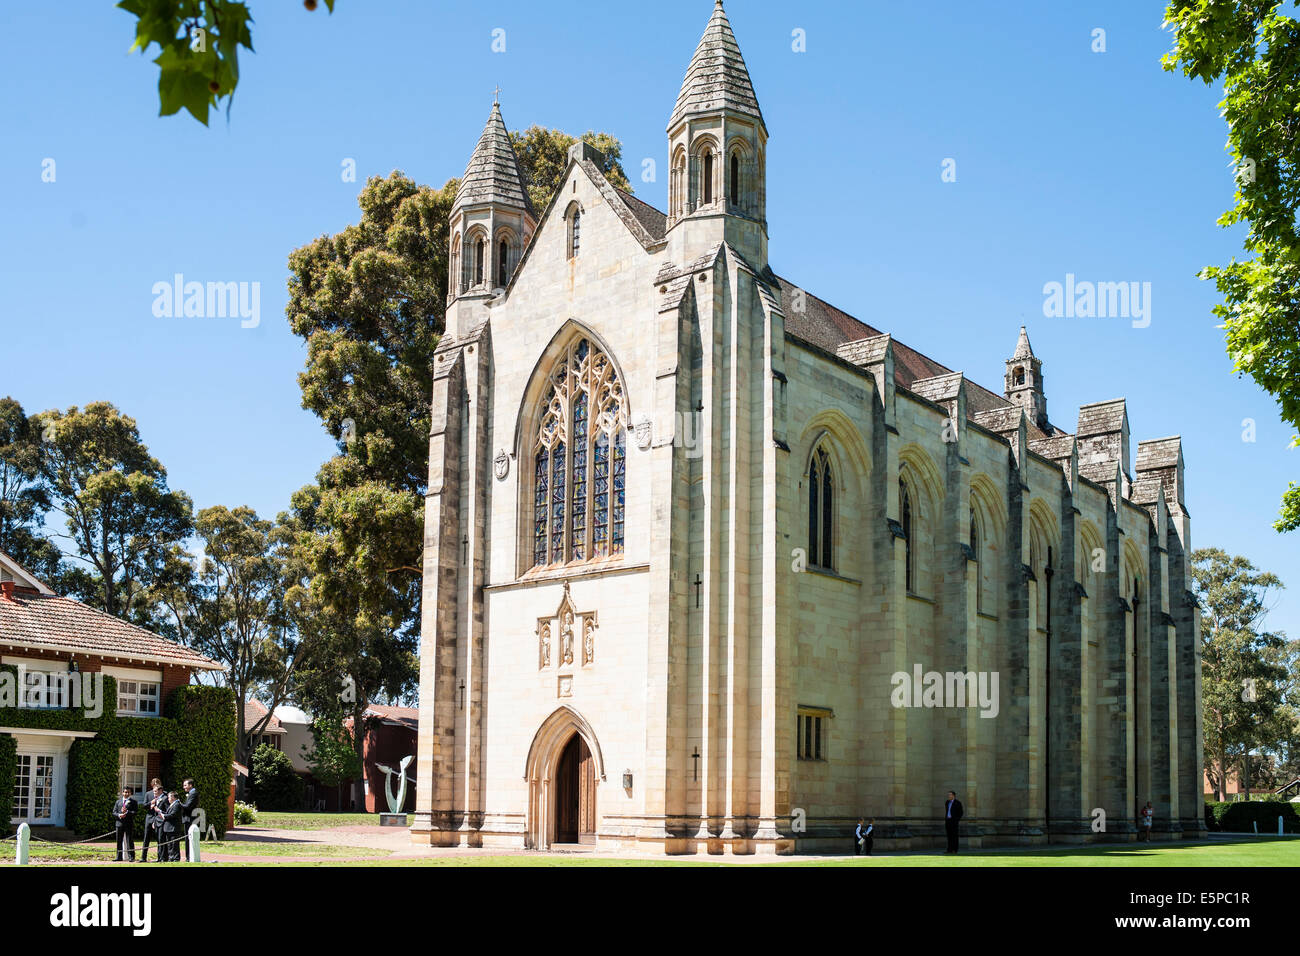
[1266, 852]
[297, 820]
[251, 848]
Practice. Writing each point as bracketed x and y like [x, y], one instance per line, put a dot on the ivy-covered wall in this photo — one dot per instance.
[8, 760]
[204, 746]
[196, 737]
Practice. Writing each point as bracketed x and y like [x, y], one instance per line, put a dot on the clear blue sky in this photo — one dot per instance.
[1068, 161]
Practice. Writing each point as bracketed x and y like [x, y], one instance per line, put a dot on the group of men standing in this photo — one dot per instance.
[167, 820]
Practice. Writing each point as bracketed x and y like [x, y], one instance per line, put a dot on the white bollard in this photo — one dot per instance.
[1279, 824]
[24, 840]
[195, 835]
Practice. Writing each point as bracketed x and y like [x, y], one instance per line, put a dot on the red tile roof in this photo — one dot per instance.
[52, 623]
[254, 711]
[406, 716]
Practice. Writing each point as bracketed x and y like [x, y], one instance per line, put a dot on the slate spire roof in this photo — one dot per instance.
[493, 174]
[717, 77]
[1023, 348]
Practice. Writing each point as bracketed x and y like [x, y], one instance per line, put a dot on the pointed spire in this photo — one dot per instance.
[717, 77]
[1023, 348]
[493, 174]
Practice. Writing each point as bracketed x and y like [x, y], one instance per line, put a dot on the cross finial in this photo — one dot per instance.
[496, 96]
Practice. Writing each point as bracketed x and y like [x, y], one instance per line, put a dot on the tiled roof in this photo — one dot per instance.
[408, 717]
[717, 78]
[51, 622]
[493, 174]
[652, 220]
[254, 711]
[821, 324]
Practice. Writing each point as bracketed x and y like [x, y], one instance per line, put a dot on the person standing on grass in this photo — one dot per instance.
[154, 801]
[124, 823]
[1144, 823]
[867, 838]
[952, 812]
[189, 810]
[169, 851]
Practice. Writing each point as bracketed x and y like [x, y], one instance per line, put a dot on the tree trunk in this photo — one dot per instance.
[359, 748]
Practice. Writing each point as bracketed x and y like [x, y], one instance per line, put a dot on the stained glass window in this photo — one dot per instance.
[557, 505]
[620, 477]
[539, 506]
[580, 454]
[580, 476]
[600, 500]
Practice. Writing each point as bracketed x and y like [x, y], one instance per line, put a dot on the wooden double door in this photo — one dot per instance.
[575, 794]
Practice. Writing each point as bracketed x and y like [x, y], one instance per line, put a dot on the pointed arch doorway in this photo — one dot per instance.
[564, 771]
[575, 794]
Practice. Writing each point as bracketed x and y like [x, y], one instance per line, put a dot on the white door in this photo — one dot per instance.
[37, 788]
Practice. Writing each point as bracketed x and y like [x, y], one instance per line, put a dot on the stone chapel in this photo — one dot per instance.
[711, 566]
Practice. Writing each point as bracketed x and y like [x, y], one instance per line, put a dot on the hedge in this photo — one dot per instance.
[1241, 816]
[205, 745]
[196, 737]
[8, 765]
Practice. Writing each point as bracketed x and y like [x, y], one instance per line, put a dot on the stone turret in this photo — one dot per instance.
[717, 153]
[1024, 382]
[492, 220]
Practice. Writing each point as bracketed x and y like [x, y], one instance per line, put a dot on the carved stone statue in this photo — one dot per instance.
[566, 638]
[588, 640]
[544, 641]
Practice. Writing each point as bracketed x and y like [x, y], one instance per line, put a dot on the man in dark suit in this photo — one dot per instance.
[124, 824]
[155, 799]
[171, 829]
[189, 809]
[951, 817]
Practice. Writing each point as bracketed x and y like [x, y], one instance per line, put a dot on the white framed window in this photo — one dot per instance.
[139, 692]
[137, 698]
[46, 685]
[133, 771]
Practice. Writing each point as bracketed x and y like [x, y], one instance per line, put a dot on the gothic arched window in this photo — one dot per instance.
[905, 512]
[821, 510]
[580, 461]
[478, 262]
[708, 178]
[735, 179]
[503, 263]
[1018, 377]
[676, 185]
[975, 551]
[454, 277]
[575, 228]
